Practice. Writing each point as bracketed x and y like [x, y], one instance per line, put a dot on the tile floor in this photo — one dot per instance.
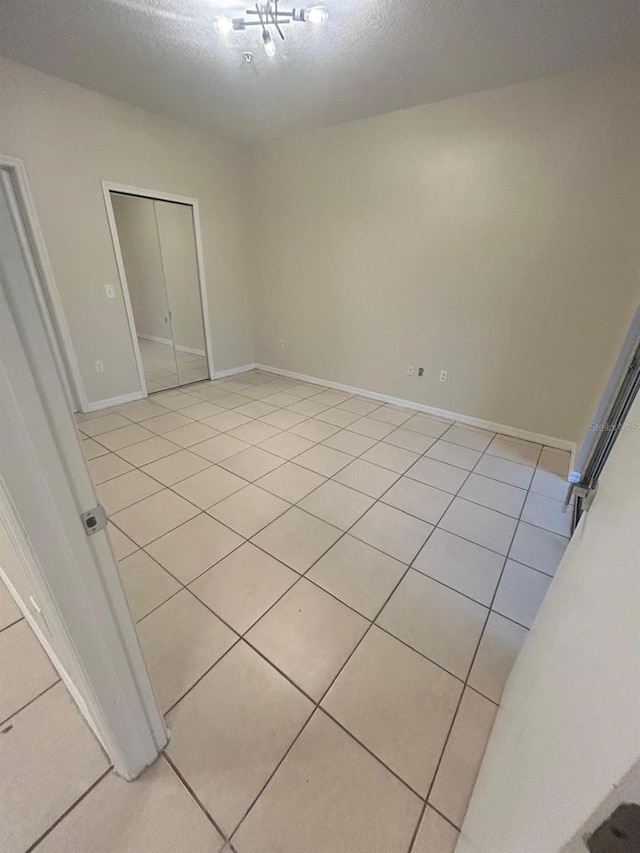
[330, 594]
[164, 368]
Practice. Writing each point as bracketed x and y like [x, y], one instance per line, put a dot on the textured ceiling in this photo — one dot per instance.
[373, 56]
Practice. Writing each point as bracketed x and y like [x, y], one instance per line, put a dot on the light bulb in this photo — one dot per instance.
[316, 15]
[224, 25]
[268, 42]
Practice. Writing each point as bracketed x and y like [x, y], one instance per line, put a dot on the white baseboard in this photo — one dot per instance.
[113, 401]
[191, 350]
[168, 342]
[504, 429]
[233, 371]
[138, 395]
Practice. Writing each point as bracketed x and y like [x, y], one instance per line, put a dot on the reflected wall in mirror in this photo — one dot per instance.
[180, 266]
[157, 244]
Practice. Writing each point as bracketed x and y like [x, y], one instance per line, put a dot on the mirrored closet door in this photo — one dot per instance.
[158, 249]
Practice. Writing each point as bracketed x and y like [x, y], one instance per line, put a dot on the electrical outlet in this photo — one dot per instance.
[421, 371]
[444, 375]
[99, 366]
[110, 291]
[281, 343]
[411, 370]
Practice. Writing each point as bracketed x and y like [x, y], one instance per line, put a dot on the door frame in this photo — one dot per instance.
[618, 374]
[13, 170]
[156, 195]
[74, 593]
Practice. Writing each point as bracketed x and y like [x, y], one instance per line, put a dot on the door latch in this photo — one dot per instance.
[94, 520]
[584, 493]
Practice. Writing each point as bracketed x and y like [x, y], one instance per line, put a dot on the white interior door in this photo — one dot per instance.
[568, 731]
[75, 600]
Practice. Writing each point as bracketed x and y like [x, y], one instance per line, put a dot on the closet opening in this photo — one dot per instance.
[157, 243]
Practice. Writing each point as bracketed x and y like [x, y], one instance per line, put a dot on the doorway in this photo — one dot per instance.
[57, 568]
[158, 251]
[609, 420]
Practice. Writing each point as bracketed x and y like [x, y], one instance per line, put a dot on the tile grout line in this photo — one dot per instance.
[316, 703]
[465, 687]
[195, 420]
[67, 811]
[249, 541]
[435, 776]
[248, 482]
[231, 646]
[256, 481]
[30, 702]
[196, 799]
[237, 639]
[61, 817]
[379, 441]
[15, 622]
[343, 533]
[211, 464]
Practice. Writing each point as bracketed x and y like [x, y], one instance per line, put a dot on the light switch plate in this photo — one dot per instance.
[110, 291]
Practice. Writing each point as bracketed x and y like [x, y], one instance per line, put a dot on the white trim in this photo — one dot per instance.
[504, 429]
[614, 383]
[168, 342]
[114, 401]
[45, 486]
[27, 558]
[107, 188]
[111, 219]
[203, 286]
[233, 371]
[127, 189]
[47, 290]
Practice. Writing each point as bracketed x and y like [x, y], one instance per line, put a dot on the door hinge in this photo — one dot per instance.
[94, 520]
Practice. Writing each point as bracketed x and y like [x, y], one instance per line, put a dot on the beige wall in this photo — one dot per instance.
[70, 139]
[567, 731]
[494, 236]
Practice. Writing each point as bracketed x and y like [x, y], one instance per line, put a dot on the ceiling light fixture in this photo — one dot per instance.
[224, 25]
[268, 42]
[268, 16]
[316, 15]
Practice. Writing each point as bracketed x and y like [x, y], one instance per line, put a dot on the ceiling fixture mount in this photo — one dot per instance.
[269, 17]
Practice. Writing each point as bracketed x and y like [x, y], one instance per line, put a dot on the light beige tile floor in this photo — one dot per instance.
[330, 593]
[166, 368]
[25, 670]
